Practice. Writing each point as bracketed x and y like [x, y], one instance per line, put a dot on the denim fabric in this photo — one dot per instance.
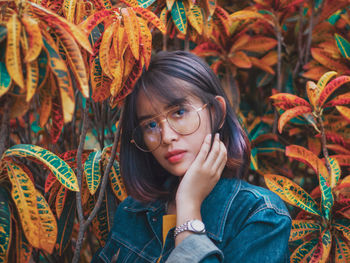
[244, 223]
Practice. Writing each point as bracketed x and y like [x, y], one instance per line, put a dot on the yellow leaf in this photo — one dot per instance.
[132, 30]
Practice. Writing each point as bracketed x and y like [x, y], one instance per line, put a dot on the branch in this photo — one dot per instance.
[4, 128]
[84, 226]
[279, 66]
[324, 143]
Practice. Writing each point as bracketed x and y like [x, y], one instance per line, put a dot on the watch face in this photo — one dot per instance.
[197, 225]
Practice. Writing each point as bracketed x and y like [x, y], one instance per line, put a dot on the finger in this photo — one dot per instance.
[221, 158]
[214, 152]
[203, 152]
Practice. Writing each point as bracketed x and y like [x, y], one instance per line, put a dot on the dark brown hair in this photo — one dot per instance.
[170, 77]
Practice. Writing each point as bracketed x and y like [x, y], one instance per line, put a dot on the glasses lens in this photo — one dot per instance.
[184, 119]
[147, 136]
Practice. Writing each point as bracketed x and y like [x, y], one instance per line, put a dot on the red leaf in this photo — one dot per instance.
[331, 87]
[290, 114]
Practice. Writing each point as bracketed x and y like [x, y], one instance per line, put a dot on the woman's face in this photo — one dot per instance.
[176, 152]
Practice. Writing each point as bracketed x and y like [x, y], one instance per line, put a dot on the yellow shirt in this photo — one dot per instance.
[169, 221]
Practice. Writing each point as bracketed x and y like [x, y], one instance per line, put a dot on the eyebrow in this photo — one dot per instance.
[174, 102]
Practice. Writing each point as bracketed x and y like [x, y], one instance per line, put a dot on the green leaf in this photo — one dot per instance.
[5, 79]
[5, 225]
[3, 33]
[343, 225]
[343, 45]
[43, 69]
[335, 171]
[58, 167]
[254, 159]
[116, 180]
[302, 228]
[291, 193]
[327, 197]
[178, 14]
[342, 250]
[92, 171]
[145, 3]
[65, 224]
[304, 251]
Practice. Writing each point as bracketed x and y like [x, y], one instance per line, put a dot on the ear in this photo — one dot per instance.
[222, 103]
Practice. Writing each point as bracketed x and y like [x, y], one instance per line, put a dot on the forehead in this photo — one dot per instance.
[146, 106]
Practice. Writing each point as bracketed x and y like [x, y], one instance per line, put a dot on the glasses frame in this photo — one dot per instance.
[165, 118]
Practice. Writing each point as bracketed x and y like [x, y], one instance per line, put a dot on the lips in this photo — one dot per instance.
[175, 156]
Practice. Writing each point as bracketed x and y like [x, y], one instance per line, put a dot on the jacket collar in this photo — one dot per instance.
[214, 210]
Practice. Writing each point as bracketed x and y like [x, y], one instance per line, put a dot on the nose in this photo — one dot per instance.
[168, 134]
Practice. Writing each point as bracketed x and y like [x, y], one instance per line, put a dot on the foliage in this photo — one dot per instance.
[67, 65]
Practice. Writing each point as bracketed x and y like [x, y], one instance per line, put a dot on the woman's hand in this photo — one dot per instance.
[199, 180]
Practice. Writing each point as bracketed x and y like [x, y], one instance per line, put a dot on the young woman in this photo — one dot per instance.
[183, 155]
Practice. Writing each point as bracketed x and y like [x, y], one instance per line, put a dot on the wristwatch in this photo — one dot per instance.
[194, 225]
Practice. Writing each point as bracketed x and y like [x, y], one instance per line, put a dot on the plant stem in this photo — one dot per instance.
[279, 66]
[309, 37]
[79, 160]
[165, 40]
[4, 128]
[324, 143]
[84, 226]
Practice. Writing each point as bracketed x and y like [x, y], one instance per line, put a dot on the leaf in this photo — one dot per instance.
[60, 70]
[342, 250]
[116, 181]
[315, 73]
[304, 251]
[313, 93]
[92, 21]
[270, 58]
[245, 15]
[326, 60]
[290, 114]
[224, 18]
[49, 182]
[23, 248]
[322, 82]
[151, 17]
[343, 226]
[145, 3]
[58, 167]
[65, 224]
[69, 9]
[35, 41]
[241, 60]
[57, 118]
[43, 69]
[335, 171]
[100, 83]
[48, 225]
[239, 43]
[45, 102]
[207, 49]
[145, 42]
[132, 30]
[210, 6]
[13, 56]
[289, 100]
[178, 14]
[71, 28]
[339, 100]
[5, 79]
[343, 45]
[105, 47]
[260, 44]
[24, 195]
[323, 248]
[60, 200]
[314, 145]
[291, 193]
[195, 18]
[5, 225]
[92, 171]
[259, 64]
[302, 228]
[344, 111]
[331, 87]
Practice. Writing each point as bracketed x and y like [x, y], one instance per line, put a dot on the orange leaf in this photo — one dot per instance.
[339, 100]
[338, 149]
[326, 60]
[304, 155]
[241, 60]
[290, 114]
[260, 44]
[345, 111]
[270, 58]
[13, 57]
[151, 17]
[105, 48]
[34, 36]
[259, 64]
[240, 42]
[145, 41]
[92, 21]
[195, 18]
[331, 87]
[289, 100]
[224, 17]
[132, 30]
[343, 159]
[207, 49]
[315, 73]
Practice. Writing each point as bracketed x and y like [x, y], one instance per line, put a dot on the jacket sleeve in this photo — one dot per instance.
[195, 248]
[263, 238]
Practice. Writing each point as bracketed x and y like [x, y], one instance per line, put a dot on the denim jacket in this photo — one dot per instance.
[244, 223]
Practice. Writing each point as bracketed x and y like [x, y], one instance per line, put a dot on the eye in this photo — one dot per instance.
[179, 113]
[149, 125]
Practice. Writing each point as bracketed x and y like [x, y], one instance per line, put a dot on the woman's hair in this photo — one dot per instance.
[171, 77]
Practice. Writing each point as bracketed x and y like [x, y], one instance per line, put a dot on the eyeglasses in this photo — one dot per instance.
[183, 119]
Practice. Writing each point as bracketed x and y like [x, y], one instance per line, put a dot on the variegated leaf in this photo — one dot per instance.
[241, 60]
[289, 100]
[60, 70]
[5, 79]
[132, 30]
[260, 44]
[343, 45]
[23, 247]
[151, 17]
[13, 56]
[335, 171]
[58, 167]
[92, 21]
[323, 248]
[92, 171]
[60, 200]
[24, 195]
[343, 225]
[224, 18]
[45, 101]
[195, 18]
[302, 253]
[291, 193]
[325, 59]
[343, 99]
[47, 223]
[145, 3]
[344, 111]
[100, 83]
[116, 181]
[5, 225]
[343, 159]
[331, 87]
[290, 114]
[35, 42]
[105, 48]
[178, 13]
[342, 250]
[302, 228]
[146, 42]
[69, 9]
